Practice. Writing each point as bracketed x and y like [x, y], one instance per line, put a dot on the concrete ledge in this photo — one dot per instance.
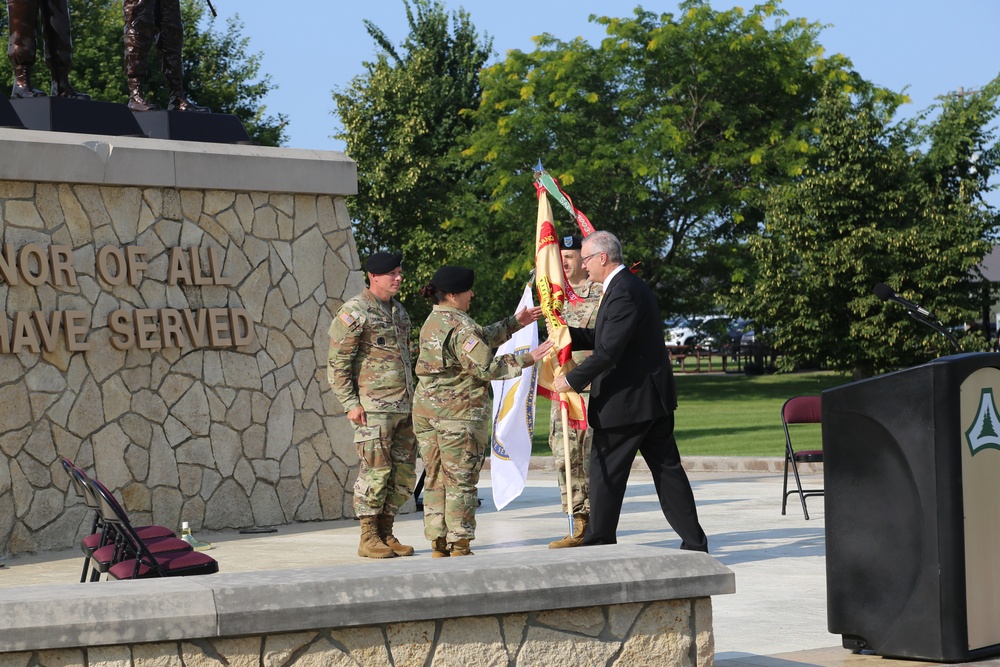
[62, 157]
[368, 593]
[43, 617]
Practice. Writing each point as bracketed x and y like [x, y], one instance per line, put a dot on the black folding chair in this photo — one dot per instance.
[140, 561]
[800, 410]
[101, 548]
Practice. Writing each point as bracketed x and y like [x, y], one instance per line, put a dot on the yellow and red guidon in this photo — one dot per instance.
[553, 292]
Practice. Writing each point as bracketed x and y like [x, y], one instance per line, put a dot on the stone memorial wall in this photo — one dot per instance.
[166, 309]
[675, 632]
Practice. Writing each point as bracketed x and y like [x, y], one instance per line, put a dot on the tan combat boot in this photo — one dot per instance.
[461, 548]
[371, 546]
[385, 522]
[439, 548]
[576, 539]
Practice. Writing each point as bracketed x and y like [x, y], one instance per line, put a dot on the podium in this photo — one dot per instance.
[912, 479]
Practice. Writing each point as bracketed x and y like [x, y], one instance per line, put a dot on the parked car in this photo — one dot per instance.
[737, 330]
[718, 332]
[756, 348]
[752, 340]
[698, 330]
[683, 330]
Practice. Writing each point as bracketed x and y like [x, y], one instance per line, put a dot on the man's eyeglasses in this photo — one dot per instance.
[583, 260]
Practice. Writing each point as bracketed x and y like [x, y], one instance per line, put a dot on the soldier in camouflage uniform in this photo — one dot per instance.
[369, 371]
[582, 314]
[451, 409]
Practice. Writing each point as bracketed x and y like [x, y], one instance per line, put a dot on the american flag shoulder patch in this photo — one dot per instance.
[470, 344]
[346, 319]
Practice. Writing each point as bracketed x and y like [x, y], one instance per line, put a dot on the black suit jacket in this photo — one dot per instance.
[629, 373]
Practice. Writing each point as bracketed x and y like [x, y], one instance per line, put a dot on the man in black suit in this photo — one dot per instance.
[632, 399]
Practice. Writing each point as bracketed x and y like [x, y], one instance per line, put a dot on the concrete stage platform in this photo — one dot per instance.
[777, 618]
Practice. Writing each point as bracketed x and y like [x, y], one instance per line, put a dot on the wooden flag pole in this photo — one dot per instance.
[564, 413]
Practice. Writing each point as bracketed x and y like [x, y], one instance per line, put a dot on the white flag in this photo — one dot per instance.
[513, 417]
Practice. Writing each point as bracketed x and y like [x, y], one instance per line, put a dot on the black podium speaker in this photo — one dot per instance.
[912, 479]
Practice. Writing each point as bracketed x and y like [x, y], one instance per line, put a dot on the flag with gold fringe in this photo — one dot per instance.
[553, 293]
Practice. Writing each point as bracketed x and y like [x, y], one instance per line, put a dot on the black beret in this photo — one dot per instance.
[571, 243]
[383, 262]
[453, 279]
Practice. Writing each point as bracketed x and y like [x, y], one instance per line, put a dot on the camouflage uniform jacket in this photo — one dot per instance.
[584, 313]
[369, 362]
[456, 364]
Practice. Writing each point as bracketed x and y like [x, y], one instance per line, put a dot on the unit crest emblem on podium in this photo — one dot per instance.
[985, 431]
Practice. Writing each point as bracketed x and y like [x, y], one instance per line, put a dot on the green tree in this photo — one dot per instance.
[898, 204]
[666, 134]
[218, 69]
[404, 120]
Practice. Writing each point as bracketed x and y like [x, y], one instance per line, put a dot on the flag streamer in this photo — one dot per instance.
[551, 185]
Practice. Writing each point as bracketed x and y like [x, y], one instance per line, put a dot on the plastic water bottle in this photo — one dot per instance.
[195, 543]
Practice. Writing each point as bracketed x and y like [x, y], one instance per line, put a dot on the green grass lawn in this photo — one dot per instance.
[728, 415]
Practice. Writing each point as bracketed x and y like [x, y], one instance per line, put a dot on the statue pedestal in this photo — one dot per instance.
[217, 128]
[8, 117]
[60, 114]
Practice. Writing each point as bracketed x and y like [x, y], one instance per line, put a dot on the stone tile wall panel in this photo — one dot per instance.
[674, 632]
[221, 437]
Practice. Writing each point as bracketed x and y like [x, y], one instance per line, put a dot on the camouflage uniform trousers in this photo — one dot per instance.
[387, 449]
[579, 461]
[453, 452]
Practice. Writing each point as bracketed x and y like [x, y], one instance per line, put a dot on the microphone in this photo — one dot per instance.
[918, 313]
[886, 293]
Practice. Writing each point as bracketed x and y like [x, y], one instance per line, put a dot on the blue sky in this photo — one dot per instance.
[310, 47]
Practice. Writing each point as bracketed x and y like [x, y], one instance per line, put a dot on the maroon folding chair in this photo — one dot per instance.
[140, 561]
[800, 410]
[119, 548]
[100, 547]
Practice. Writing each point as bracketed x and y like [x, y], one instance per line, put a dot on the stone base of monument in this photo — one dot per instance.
[59, 114]
[8, 117]
[218, 128]
[614, 604]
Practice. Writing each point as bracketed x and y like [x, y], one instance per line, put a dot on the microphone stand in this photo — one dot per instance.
[922, 315]
[937, 327]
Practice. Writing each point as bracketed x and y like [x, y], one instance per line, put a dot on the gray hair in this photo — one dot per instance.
[607, 243]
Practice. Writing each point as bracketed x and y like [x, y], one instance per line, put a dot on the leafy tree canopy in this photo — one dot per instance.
[899, 204]
[668, 133]
[218, 70]
[404, 123]
[733, 158]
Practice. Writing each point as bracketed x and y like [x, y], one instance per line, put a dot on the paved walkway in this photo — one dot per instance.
[777, 618]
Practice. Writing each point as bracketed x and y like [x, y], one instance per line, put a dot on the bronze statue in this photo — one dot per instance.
[159, 20]
[25, 18]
